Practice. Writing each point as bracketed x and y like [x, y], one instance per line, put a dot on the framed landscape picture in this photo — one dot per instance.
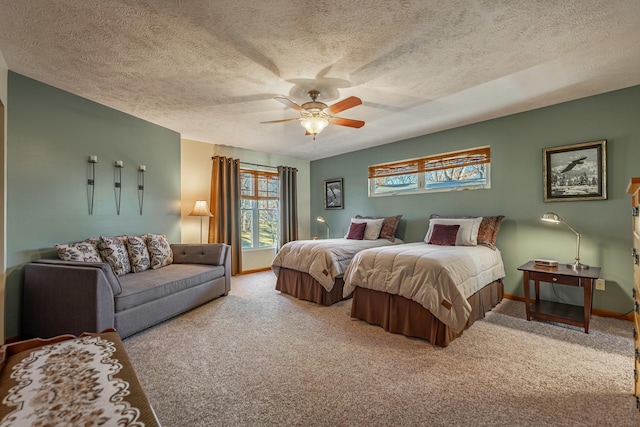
[575, 172]
[333, 197]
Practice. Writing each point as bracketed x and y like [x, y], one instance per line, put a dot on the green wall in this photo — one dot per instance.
[50, 134]
[516, 190]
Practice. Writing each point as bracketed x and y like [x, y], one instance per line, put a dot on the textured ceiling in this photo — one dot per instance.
[210, 69]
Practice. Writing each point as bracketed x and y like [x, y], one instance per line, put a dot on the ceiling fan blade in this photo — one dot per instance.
[346, 122]
[345, 104]
[289, 103]
[281, 121]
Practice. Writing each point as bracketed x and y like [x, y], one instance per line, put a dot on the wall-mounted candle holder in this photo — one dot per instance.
[141, 170]
[91, 181]
[117, 177]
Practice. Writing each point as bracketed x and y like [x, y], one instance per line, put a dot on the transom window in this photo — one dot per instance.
[466, 169]
[259, 208]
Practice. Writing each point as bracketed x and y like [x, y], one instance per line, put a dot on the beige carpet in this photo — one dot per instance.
[258, 357]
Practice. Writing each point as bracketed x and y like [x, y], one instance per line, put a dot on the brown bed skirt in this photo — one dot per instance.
[403, 316]
[303, 286]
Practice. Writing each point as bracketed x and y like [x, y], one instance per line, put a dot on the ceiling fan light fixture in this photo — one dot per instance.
[314, 124]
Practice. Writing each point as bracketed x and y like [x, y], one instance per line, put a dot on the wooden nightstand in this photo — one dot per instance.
[555, 311]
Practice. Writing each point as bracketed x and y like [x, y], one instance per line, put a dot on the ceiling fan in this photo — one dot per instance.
[315, 115]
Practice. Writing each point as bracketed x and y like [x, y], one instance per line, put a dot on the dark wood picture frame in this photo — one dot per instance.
[333, 194]
[575, 172]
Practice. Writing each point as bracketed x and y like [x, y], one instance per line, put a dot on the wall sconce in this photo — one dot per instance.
[554, 218]
[91, 181]
[201, 209]
[117, 177]
[324, 221]
[141, 170]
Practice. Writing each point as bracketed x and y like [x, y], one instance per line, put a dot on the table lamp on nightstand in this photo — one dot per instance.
[554, 218]
[324, 221]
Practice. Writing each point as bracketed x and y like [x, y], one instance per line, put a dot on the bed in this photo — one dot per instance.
[429, 291]
[312, 270]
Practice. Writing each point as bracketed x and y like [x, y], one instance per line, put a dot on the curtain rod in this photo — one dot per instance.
[256, 164]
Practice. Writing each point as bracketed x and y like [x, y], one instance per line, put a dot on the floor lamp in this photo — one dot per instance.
[201, 209]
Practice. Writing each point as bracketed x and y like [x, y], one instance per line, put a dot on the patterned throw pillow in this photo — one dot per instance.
[138, 253]
[356, 231]
[159, 250]
[114, 251]
[389, 226]
[85, 251]
[488, 231]
[444, 235]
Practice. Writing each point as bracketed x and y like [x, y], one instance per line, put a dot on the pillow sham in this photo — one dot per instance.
[138, 253]
[372, 230]
[389, 226]
[444, 235]
[159, 250]
[114, 251]
[488, 231]
[467, 233]
[85, 251]
[356, 231]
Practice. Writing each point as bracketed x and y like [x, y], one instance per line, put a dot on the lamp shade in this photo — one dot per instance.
[320, 219]
[551, 217]
[314, 124]
[201, 208]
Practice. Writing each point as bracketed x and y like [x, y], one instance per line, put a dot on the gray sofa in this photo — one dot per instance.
[69, 297]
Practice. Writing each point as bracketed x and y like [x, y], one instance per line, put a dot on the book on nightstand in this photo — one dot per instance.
[545, 262]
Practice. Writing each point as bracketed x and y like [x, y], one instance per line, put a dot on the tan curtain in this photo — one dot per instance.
[224, 226]
[288, 186]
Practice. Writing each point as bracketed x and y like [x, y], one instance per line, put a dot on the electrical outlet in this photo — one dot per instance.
[600, 284]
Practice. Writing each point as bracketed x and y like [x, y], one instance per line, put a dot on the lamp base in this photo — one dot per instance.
[577, 266]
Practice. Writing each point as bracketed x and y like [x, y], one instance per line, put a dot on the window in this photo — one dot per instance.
[259, 208]
[458, 170]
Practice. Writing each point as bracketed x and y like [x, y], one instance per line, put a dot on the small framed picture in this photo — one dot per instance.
[333, 196]
[575, 172]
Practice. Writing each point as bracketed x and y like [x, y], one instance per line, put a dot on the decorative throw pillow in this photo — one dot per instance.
[372, 230]
[389, 226]
[356, 231]
[85, 251]
[114, 251]
[159, 250]
[444, 235]
[138, 253]
[467, 234]
[488, 231]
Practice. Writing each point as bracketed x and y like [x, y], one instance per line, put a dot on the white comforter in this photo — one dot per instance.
[440, 278]
[324, 260]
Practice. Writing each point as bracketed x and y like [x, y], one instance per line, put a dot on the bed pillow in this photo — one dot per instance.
[467, 233]
[389, 226]
[114, 251]
[356, 231]
[488, 231]
[159, 250]
[372, 230]
[444, 235]
[138, 253]
[85, 251]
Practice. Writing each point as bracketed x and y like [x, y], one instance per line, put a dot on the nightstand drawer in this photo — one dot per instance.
[554, 278]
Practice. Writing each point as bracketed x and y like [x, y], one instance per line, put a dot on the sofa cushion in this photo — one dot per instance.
[114, 251]
[86, 251]
[159, 250]
[150, 285]
[138, 253]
